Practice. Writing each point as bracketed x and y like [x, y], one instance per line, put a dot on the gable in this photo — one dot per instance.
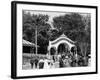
[62, 38]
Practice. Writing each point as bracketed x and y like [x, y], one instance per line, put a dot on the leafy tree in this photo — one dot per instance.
[69, 22]
[77, 27]
[31, 23]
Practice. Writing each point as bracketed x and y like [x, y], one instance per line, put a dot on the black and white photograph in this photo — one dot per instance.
[54, 39]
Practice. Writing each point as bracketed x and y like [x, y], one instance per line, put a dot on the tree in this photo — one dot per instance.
[69, 22]
[77, 27]
[32, 23]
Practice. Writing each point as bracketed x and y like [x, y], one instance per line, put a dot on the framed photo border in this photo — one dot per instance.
[14, 38]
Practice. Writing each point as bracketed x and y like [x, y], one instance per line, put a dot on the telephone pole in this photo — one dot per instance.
[36, 38]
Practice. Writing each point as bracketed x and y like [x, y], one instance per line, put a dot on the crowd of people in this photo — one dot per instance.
[64, 59]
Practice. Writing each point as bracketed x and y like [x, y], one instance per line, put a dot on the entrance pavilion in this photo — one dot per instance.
[61, 44]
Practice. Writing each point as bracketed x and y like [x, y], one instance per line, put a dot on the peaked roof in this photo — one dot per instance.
[63, 36]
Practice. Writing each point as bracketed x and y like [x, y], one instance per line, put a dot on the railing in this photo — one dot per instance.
[33, 55]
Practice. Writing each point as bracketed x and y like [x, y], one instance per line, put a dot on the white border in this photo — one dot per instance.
[21, 72]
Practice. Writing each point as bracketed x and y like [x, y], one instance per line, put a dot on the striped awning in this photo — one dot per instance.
[27, 43]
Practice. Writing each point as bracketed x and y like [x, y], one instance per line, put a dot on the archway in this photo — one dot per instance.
[53, 51]
[61, 44]
[63, 48]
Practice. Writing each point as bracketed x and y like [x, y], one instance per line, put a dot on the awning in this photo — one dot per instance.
[27, 43]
